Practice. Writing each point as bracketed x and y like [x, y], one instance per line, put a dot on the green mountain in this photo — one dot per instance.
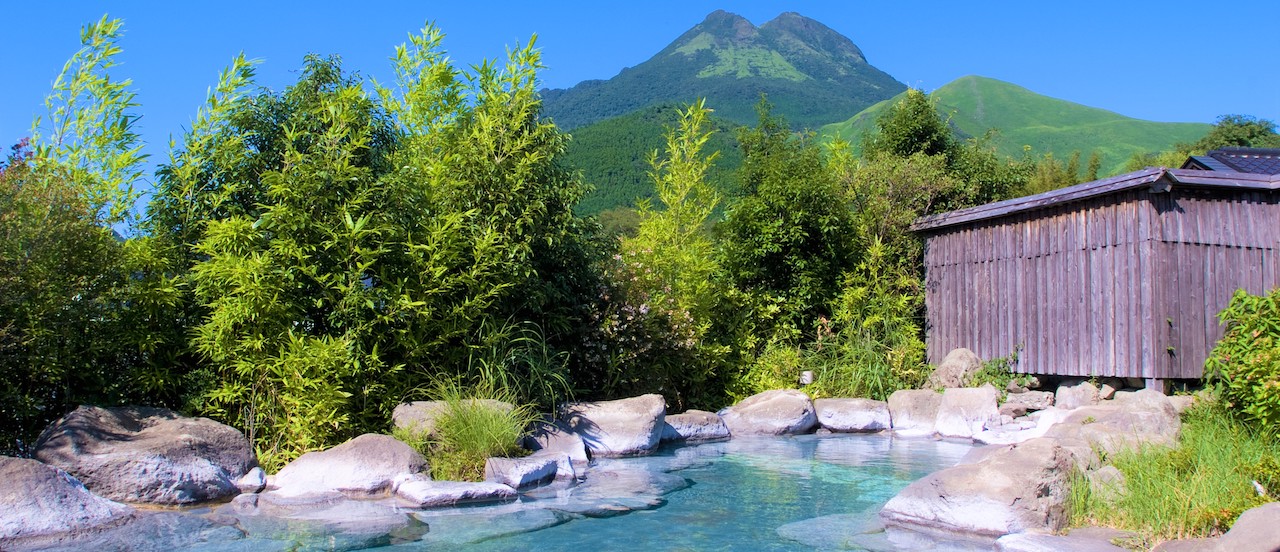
[1024, 118]
[613, 156]
[812, 75]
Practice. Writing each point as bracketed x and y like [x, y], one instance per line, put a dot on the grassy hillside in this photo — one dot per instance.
[1024, 118]
[613, 156]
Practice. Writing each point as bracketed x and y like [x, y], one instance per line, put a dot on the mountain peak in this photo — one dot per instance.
[812, 74]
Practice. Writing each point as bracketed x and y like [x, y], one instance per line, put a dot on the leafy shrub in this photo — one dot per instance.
[1246, 361]
[999, 373]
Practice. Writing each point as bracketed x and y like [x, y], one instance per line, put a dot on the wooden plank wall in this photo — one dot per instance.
[1089, 288]
[1213, 243]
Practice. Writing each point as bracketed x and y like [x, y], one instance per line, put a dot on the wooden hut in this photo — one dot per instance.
[1120, 277]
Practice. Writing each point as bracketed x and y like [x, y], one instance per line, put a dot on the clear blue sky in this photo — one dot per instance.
[1163, 61]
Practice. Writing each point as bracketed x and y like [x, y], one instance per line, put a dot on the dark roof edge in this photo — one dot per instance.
[1129, 181]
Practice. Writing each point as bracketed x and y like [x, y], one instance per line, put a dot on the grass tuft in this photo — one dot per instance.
[470, 431]
[1195, 490]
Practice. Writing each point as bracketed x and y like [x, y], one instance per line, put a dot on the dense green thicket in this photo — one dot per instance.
[1228, 131]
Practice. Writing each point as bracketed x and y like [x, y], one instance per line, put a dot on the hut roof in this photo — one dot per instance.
[1157, 178]
[1245, 160]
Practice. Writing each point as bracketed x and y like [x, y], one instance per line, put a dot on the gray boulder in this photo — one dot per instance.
[523, 472]
[1032, 400]
[956, 370]
[554, 438]
[776, 412]
[965, 412]
[914, 411]
[694, 426]
[147, 455]
[364, 467]
[1255, 530]
[419, 492]
[41, 501]
[420, 416]
[1017, 488]
[1013, 410]
[1131, 419]
[1075, 396]
[852, 415]
[625, 427]
[252, 482]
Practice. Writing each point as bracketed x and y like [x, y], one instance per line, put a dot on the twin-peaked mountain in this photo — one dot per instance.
[812, 74]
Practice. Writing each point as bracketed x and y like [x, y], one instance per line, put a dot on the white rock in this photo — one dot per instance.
[964, 412]
[1032, 400]
[852, 415]
[38, 500]
[956, 369]
[424, 493]
[694, 426]
[364, 467]
[1069, 397]
[776, 412]
[914, 411]
[625, 427]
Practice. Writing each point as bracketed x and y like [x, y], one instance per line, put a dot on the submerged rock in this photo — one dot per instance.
[694, 426]
[625, 427]
[38, 501]
[611, 489]
[364, 467]
[147, 455]
[852, 415]
[462, 528]
[776, 412]
[423, 493]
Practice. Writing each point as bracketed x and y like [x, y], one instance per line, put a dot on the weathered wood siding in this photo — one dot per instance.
[1124, 284]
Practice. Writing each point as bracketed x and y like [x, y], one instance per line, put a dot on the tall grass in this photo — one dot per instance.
[471, 430]
[1195, 490]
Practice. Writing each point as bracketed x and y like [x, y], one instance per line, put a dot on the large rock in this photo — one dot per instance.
[1256, 530]
[147, 455]
[852, 415]
[41, 501]
[914, 411]
[776, 412]
[956, 370]
[1075, 396]
[1032, 400]
[965, 412]
[1018, 488]
[625, 427]
[420, 492]
[525, 471]
[694, 426]
[421, 416]
[364, 467]
[1131, 419]
[1072, 542]
[554, 438]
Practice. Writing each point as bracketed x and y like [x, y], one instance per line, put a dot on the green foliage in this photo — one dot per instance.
[61, 281]
[1195, 490]
[613, 156]
[667, 276]
[910, 126]
[1050, 174]
[1245, 363]
[789, 237]
[375, 240]
[1228, 131]
[90, 134]
[471, 429]
[998, 372]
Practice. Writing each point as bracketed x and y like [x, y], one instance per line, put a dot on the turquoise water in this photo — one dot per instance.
[780, 493]
[788, 493]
